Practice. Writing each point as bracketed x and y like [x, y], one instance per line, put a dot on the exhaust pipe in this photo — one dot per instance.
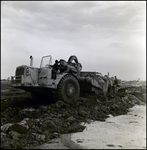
[31, 60]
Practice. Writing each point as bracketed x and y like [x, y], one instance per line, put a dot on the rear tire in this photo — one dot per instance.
[68, 89]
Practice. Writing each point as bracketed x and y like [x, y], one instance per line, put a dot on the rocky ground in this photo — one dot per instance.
[26, 123]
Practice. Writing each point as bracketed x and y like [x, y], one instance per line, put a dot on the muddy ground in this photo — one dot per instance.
[26, 123]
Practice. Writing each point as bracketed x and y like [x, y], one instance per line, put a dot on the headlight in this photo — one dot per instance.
[27, 71]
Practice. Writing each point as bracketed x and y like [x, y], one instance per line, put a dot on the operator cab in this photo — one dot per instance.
[46, 61]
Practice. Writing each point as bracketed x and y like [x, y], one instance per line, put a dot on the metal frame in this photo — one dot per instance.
[50, 60]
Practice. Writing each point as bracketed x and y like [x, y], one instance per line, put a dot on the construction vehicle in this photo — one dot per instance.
[63, 79]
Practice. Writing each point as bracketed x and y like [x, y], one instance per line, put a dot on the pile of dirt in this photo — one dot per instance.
[26, 124]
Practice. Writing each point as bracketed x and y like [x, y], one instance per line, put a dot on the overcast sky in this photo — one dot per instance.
[106, 36]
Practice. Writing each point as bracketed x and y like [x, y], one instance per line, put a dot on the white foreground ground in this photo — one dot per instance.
[121, 132]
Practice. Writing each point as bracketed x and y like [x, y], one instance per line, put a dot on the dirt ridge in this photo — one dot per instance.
[40, 121]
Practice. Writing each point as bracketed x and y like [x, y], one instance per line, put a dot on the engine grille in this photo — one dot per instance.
[18, 73]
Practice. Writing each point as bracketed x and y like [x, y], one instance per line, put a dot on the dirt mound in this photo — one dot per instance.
[26, 124]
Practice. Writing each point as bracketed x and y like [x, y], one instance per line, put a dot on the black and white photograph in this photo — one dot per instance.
[73, 74]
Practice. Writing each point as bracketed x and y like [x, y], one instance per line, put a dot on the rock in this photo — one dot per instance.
[54, 141]
[39, 136]
[135, 100]
[14, 134]
[15, 144]
[5, 143]
[3, 135]
[51, 125]
[38, 130]
[80, 140]
[55, 134]
[99, 102]
[59, 116]
[75, 127]
[24, 123]
[60, 104]
[18, 128]
[88, 121]
[82, 113]
[43, 109]
[71, 119]
[5, 127]
[65, 115]
[28, 113]
[82, 100]
[29, 110]
[96, 108]
[114, 107]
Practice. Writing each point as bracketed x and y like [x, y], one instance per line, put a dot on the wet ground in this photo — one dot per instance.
[26, 123]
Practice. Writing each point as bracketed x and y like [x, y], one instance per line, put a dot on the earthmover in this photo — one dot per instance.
[64, 79]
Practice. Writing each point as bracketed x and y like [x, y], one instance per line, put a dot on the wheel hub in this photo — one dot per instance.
[70, 90]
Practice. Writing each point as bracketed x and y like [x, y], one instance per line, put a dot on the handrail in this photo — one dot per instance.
[50, 60]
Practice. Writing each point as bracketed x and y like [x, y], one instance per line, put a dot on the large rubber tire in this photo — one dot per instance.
[68, 89]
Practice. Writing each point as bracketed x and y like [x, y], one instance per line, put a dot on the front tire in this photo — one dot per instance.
[68, 89]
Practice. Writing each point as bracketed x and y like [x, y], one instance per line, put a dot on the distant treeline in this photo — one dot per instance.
[5, 80]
